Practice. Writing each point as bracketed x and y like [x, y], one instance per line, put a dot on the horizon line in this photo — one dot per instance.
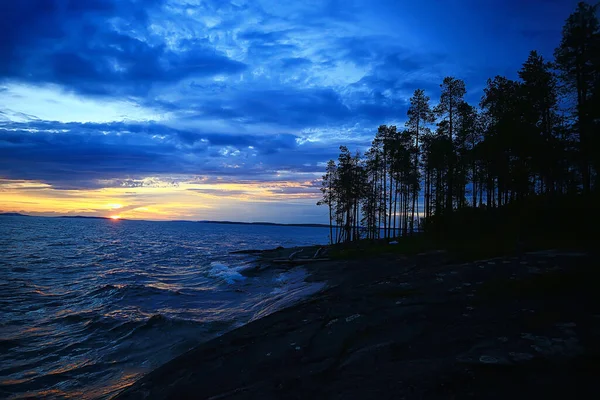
[19, 214]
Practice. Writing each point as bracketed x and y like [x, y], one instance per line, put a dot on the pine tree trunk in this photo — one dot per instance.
[384, 195]
[330, 224]
[395, 208]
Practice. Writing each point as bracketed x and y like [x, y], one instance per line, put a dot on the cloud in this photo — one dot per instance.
[155, 93]
[99, 47]
[92, 155]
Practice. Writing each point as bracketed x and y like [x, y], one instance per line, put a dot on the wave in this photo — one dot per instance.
[134, 290]
[155, 327]
[161, 321]
[6, 344]
[225, 273]
[123, 300]
[293, 288]
[61, 244]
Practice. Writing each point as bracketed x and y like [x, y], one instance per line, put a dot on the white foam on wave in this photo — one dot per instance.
[291, 288]
[230, 275]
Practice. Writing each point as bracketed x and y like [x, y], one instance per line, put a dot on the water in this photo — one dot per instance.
[88, 306]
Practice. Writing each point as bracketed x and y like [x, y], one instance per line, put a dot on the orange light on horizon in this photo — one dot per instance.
[189, 200]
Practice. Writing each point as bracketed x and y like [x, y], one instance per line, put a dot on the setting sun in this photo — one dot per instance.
[115, 217]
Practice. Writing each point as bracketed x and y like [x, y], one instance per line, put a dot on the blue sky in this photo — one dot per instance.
[227, 109]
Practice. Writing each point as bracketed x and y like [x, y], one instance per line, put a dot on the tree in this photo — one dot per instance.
[517, 144]
[453, 92]
[420, 115]
[504, 139]
[328, 189]
[539, 107]
[578, 63]
[464, 144]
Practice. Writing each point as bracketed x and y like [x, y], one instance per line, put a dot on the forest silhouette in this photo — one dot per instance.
[527, 156]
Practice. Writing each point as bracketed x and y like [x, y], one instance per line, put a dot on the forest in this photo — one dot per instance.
[533, 137]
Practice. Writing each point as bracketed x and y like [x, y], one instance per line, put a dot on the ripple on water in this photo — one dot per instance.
[88, 306]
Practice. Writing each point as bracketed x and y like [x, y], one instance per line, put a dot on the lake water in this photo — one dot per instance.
[87, 306]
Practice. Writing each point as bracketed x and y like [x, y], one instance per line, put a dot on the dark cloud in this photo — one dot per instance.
[287, 107]
[289, 191]
[297, 108]
[75, 44]
[88, 155]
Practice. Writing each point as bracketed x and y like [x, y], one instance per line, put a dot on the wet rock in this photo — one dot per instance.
[352, 317]
[249, 251]
[489, 360]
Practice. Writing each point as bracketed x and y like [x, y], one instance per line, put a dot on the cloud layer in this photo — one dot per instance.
[109, 93]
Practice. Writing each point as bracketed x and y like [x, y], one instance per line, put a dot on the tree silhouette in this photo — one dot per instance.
[453, 92]
[578, 62]
[518, 144]
[420, 115]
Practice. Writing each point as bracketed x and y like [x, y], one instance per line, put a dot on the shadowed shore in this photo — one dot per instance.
[420, 326]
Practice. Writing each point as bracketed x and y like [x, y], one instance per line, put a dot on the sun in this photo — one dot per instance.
[115, 217]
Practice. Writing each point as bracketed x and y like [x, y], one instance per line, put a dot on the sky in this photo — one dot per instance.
[228, 110]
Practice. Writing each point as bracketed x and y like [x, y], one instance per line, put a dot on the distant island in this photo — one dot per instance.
[265, 223]
[83, 216]
[13, 214]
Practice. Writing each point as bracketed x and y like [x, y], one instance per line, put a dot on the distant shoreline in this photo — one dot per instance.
[264, 223]
[11, 214]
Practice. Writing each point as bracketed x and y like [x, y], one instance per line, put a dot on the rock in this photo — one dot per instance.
[247, 251]
[520, 357]
[364, 343]
[488, 360]
[352, 317]
[333, 321]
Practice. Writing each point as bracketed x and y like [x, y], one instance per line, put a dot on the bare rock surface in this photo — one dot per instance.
[410, 328]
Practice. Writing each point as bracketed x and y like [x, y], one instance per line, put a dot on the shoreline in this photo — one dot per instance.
[397, 326]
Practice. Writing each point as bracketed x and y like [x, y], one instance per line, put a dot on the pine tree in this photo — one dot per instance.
[420, 115]
[540, 110]
[328, 190]
[453, 92]
[578, 62]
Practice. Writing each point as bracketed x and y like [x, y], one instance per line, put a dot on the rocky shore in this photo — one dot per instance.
[409, 327]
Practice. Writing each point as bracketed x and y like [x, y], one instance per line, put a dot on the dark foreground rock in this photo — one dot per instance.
[413, 328]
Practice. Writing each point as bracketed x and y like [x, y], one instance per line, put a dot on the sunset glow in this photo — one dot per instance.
[190, 199]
